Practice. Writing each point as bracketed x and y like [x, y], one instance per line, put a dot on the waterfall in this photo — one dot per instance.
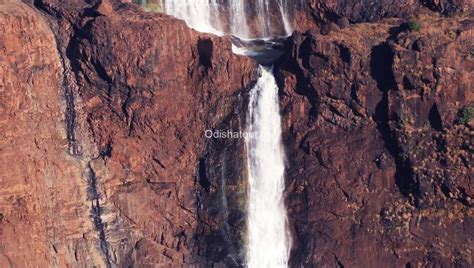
[239, 25]
[268, 238]
[284, 9]
[235, 17]
[201, 15]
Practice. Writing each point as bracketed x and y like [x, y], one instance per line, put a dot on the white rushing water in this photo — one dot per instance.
[268, 237]
[233, 16]
[201, 15]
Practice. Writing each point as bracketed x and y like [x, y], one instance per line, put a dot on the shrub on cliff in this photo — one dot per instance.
[466, 114]
[150, 5]
[414, 26]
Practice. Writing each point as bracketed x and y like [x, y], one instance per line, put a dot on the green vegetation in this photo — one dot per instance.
[150, 5]
[152, 8]
[414, 26]
[465, 114]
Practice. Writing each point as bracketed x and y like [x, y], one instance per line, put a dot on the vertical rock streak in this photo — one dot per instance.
[96, 211]
[268, 238]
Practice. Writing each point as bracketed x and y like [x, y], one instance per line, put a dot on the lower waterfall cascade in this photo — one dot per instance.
[268, 239]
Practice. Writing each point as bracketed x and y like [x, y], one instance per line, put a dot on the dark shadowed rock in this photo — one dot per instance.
[328, 28]
[449, 7]
[343, 22]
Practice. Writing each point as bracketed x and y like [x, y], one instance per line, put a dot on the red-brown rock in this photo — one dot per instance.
[105, 109]
[104, 160]
[379, 170]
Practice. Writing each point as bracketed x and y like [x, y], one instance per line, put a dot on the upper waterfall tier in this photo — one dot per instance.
[245, 19]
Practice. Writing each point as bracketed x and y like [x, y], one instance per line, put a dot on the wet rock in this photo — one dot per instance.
[328, 28]
[418, 45]
[343, 22]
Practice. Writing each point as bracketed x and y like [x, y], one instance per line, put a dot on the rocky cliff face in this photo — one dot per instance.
[103, 148]
[42, 188]
[104, 161]
[380, 160]
[366, 10]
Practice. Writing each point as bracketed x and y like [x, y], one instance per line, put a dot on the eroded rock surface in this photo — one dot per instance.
[104, 160]
[104, 148]
[380, 167]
